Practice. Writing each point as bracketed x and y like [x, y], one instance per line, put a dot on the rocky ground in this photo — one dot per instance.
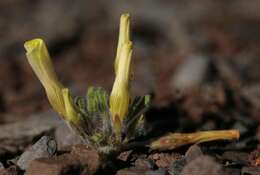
[199, 60]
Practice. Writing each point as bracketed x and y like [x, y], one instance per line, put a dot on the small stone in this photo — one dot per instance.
[124, 156]
[144, 164]
[177, 166]
[250, 171]
[160, 171]
[45, 147]
[192, 153]
[60, 165]
[203, 165]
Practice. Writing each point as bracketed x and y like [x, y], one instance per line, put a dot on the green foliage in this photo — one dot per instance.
[133, 124]
[97, 120]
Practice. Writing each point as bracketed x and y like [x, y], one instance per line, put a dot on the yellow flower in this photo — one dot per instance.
[39, 59]
[120, 95]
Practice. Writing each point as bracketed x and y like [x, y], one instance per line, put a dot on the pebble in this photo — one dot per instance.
[45, 147]
[192, 153]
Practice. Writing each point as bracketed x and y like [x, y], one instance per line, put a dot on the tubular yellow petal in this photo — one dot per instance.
[71, 113]
[124, 36]
[39, 59]
[120, 95]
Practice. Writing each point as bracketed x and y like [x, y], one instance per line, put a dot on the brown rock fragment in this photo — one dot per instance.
[87, 157]
[60, 165]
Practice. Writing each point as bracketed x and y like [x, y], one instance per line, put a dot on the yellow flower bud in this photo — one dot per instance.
[120, 95]
[39, 59]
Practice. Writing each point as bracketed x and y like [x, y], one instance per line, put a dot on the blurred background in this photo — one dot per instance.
[199, 58]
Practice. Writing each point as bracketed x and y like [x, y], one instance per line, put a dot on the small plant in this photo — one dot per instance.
[108, 123]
